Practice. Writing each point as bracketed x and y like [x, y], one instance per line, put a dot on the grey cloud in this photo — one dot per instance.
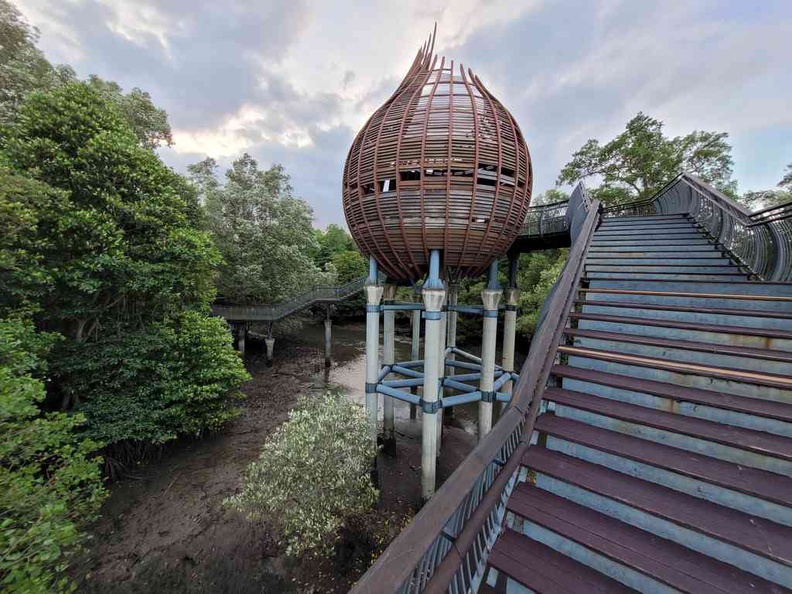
[568, 71]
[214, 56]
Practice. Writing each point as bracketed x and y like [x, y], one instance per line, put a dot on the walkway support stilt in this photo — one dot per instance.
[415, 353]
[433, 296]
[453, 316]
[373, 298]
[490, 297]
[242, 331]
[512, 297]
[441, 367]
[328, 328]
[389, 358]
[270, 344]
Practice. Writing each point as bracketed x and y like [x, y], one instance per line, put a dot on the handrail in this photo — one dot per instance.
[285, 308]
[546, 219]
[760, 244]
[780, 212]
[446, 544]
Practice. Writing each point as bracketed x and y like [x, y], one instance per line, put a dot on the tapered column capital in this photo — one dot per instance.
[490, 298]
[374, 294]
[512, 296]
[389, 292]
[434, 299]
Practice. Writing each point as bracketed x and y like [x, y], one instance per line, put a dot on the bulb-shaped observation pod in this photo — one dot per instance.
[441, 165]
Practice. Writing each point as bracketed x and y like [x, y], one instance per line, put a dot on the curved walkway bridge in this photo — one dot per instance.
[647, 443]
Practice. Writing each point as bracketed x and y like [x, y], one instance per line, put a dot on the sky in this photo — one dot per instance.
[292, 81]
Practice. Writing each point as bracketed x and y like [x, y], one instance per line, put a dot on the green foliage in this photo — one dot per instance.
[120, 269]
[538, 273]
[313, 474]
[124, 242]
[23, 67]
[263, 232]
[349, 265]
[50, 484]
[640, 160]
[149, 122]
[549, 197]
[28, 212]
[786, 181]
[24, 70]
[767, 198]
[151, 384]
[331, 242]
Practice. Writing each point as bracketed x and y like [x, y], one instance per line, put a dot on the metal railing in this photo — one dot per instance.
[760, 242]
[546, 219]
[445, 547]
[271, 313]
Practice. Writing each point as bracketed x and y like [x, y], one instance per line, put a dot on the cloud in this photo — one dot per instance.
[291, 81]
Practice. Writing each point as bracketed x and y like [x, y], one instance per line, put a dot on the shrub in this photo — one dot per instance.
[313, 474]
[176, 377]
[50, 484]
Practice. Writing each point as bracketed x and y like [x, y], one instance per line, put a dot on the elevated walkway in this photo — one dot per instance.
[273, 313]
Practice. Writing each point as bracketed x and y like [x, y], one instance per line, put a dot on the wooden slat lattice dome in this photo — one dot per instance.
[441, 165]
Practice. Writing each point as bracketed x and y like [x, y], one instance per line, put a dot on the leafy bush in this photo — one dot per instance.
[172, 377]
[313, 474]
[537, 279]
[50, 484]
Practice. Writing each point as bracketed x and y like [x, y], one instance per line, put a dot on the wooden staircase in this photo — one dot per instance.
[661, 460]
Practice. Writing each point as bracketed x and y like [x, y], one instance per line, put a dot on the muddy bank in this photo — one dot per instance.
[166, 529]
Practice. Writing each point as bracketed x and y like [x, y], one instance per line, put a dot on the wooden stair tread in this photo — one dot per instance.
[737, 437]
[717, 328]
[682, 308]
[545, 571]
[619, 277]
[689, 294]
[751, 533]
[663, 560]
[747, 480]
[688, 345]
[753, 406]
[749, 377]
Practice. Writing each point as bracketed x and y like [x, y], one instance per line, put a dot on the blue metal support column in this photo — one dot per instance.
[490, 298]
[388, 359]
[415, 352]
[453, 316]
[373, 298]
[512, 298]
[433, 295]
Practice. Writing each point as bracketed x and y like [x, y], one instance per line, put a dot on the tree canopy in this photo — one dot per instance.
[781, 194]
[640, 160]
[24, 69]
[106, 242]
[262, 230]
